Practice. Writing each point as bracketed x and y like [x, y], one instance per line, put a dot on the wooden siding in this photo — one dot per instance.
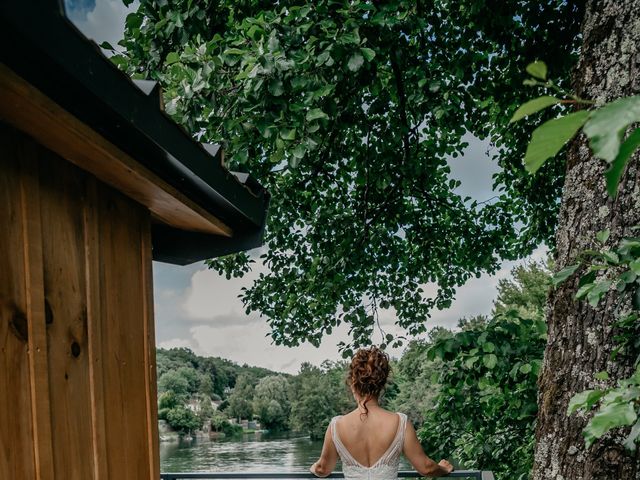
[77, 355]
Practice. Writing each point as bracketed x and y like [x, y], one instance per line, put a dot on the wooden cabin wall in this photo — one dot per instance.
[77, 355]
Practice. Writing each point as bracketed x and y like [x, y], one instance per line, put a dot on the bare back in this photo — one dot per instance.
[367, 439]
[370, 447]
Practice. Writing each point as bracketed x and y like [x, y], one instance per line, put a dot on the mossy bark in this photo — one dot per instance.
[581, 337]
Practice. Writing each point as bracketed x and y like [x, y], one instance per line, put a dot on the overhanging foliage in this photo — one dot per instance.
[349, 113]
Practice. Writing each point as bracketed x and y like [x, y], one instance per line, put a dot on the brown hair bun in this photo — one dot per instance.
[368, 372]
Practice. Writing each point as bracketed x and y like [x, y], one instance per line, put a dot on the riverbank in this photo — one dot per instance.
[168, 435]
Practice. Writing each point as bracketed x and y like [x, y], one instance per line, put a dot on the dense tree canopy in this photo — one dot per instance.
[348, 112]
[240, 405]
[318, 394]
[272, 403]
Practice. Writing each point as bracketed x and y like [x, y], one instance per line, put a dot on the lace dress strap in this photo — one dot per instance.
[392, 455]
[344, 454]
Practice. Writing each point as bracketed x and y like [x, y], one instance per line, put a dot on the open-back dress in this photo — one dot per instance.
[385, 468]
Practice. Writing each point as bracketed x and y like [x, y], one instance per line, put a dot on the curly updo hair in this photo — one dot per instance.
[368, 373]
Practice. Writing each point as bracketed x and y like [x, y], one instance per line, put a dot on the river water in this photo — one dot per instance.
[255, 452]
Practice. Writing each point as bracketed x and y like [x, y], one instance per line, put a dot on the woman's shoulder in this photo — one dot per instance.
[391, 413]
[335, 419]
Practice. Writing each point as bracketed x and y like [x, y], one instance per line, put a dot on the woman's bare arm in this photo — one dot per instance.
[416, 456]
[328, 458]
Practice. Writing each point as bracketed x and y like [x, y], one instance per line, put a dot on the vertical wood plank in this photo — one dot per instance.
[123, 335]
[150, 352]
[33, 265]
[94, 331]
[62, 203]
[16, 425]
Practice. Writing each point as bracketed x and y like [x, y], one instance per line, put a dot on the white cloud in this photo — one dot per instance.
[211, 295]
[105, 22]
[176, 343]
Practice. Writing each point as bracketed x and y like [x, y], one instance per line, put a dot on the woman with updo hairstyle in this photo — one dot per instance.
[369, 440]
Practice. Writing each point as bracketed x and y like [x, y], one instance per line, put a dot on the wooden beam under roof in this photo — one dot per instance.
[29, 110]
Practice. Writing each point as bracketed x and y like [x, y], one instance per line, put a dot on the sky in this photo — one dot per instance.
[201, 310]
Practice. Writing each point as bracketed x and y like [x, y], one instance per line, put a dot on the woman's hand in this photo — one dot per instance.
[446, 466]
[316, 473]
[420, 461]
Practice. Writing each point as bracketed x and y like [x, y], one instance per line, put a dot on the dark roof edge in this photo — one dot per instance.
[175, 246]
[51, 54]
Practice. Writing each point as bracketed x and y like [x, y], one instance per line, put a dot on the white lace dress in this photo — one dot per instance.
[386, 468]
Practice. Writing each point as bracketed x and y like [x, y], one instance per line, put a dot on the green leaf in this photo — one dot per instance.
[550, 137]
[490, 361]
[533, 106]
[628, 277]
[489, 347]
[351, 37]
[134, 21]
[276, 87]
[107, 46]
[368, 54]
[299, 151]
[288, 133]
[611, 257]
[323, 57]
[630, 441]
[538, 70]
[172, 58]
[583, 290]
[635, 266]
[588, 278]
[355, 62]
[294, 161]
[563, 274]
[234, 51]
[469, 362]
[584, 400]
[601, 376]
[119, 60]
[598, 290]
[526, 368]
[241, 156]
[315, 114]
[603, 235]
[615, 171]
[607, 126]
[608, 417]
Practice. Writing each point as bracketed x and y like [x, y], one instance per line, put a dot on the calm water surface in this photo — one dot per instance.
[257, 452]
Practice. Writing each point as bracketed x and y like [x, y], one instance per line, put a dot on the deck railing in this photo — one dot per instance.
[470, 474]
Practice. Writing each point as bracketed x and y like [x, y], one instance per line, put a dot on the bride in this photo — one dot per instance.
[370, 439]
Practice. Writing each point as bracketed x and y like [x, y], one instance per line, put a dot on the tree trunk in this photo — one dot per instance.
[580, 337]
